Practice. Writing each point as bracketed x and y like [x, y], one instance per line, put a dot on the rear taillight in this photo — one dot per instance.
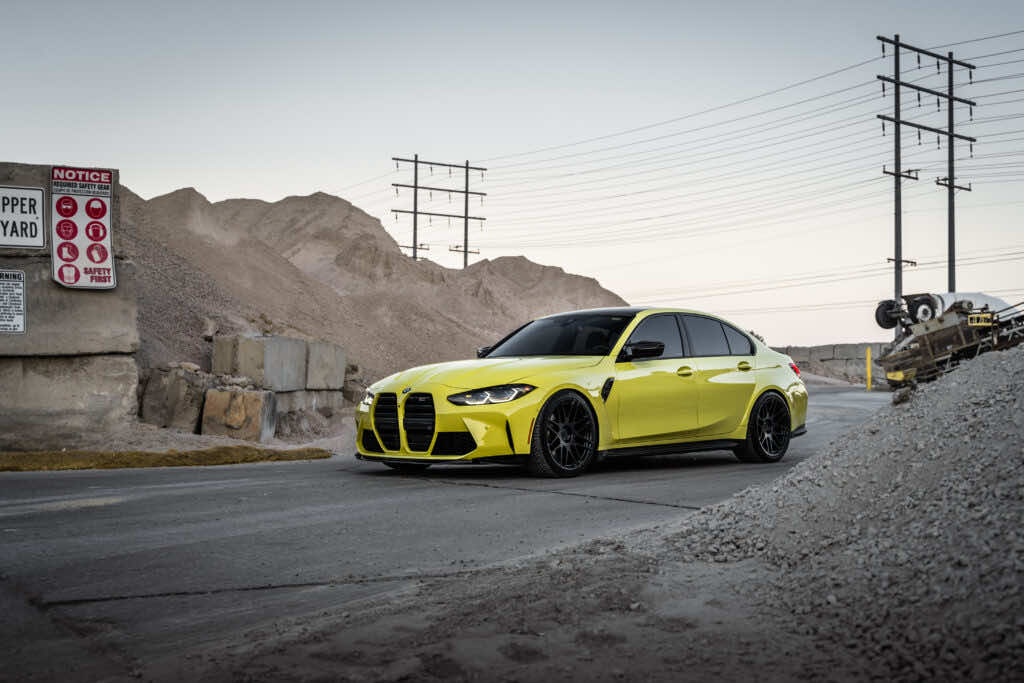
[796, 370]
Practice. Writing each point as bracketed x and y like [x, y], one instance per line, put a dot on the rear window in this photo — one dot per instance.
[739, 343]
[706, 336]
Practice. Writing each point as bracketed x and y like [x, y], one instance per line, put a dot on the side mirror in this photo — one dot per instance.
[483, 351]
[641, 349]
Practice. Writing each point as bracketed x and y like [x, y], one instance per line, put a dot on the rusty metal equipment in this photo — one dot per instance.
[936, 346]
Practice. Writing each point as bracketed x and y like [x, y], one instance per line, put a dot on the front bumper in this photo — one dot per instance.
[497, 430]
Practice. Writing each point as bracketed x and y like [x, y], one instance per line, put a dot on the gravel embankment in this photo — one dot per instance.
[902, 541]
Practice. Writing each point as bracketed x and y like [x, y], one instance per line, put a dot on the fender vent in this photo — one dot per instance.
[606, 390]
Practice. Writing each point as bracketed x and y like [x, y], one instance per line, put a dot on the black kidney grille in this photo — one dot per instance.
[385, 421]
[419, 421]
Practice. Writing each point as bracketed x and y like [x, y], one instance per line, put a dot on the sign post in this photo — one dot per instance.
[80, 241]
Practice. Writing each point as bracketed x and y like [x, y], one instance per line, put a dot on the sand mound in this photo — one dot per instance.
[319, 267]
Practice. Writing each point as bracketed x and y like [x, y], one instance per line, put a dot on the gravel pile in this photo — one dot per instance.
[902, 542]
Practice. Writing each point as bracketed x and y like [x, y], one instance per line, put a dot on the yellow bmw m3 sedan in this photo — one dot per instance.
[561, 392]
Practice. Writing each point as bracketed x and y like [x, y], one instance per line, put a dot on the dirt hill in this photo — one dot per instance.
[319, 267]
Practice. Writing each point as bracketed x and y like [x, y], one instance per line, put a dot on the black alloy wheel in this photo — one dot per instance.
[564, 437]
[768, 430]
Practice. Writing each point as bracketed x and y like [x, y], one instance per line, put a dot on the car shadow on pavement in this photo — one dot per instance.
[606, 467]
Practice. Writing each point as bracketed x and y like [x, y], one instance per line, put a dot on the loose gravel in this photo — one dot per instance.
[902, 541]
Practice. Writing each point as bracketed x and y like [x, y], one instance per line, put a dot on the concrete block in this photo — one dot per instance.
[275, 363]
[272, 362]
[799, 354]
[324, 402]
[46, 402]
[325, 366]
[174, 397]
[850, 351]
[240, 414]
[70, 322]
[819, 353]
[225, 350]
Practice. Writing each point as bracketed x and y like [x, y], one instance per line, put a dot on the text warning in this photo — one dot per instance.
[12, 301]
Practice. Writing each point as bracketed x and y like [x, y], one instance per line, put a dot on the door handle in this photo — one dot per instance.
[684, 371]
[743, 365]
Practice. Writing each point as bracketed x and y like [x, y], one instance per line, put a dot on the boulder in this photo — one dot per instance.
[325, 366]
[240, 414]
[174, 397]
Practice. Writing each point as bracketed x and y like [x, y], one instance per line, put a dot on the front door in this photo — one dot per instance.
[655, 397]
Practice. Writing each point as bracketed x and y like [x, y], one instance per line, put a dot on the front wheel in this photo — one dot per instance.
[768, 430]
[564, 437]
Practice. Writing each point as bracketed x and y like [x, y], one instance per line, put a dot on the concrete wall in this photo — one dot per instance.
[47, 402]
[73, 370]
[839, 361]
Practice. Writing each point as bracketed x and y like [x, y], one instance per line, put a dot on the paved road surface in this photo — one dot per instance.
[133, 570]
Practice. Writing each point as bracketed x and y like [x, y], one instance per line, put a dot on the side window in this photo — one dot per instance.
[706, 336]
[660, 328]
[739, 344]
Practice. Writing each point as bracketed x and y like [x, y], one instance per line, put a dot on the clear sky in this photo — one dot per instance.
[773, 212]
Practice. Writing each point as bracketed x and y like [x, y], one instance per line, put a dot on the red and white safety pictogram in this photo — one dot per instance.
[82, 258]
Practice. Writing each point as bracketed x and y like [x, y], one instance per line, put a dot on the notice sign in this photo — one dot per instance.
[83, 255]
[21, 217]
[12, 301]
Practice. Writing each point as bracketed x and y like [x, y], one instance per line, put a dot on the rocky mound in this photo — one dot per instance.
[319, 267]
[902, 542]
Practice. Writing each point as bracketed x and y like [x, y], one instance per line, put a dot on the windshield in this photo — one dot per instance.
[584, 334]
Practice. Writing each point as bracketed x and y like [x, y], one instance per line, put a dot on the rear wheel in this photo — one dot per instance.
[407, 467]
[768, 430]
[564, 437]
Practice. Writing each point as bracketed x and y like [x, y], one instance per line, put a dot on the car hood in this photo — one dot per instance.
[482, 372]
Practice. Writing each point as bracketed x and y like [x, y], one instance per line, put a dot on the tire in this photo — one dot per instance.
[564, 442]
[407, 467]
[921, 309]
[884, 314]
[768, 430]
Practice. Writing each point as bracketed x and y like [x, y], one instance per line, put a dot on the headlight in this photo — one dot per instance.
[367, 399]
[488, 395]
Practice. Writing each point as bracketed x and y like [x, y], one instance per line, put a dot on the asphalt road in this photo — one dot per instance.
[108, 573]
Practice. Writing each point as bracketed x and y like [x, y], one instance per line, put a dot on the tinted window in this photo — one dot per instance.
[660, 328]
[587, 334]
[739, 344]
[706, 336]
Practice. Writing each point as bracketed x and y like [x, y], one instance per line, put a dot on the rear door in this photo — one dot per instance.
[723, 361]
[655, 397]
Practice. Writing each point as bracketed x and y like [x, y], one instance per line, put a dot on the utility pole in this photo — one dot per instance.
[898, 173]
[416, 213]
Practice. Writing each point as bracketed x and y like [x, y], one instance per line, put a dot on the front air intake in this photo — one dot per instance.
[418, 421]
[385, 421]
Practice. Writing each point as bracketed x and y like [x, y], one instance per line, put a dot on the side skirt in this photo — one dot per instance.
[675, 448]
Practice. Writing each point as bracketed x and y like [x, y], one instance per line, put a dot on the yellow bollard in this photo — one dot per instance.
[868, 361]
